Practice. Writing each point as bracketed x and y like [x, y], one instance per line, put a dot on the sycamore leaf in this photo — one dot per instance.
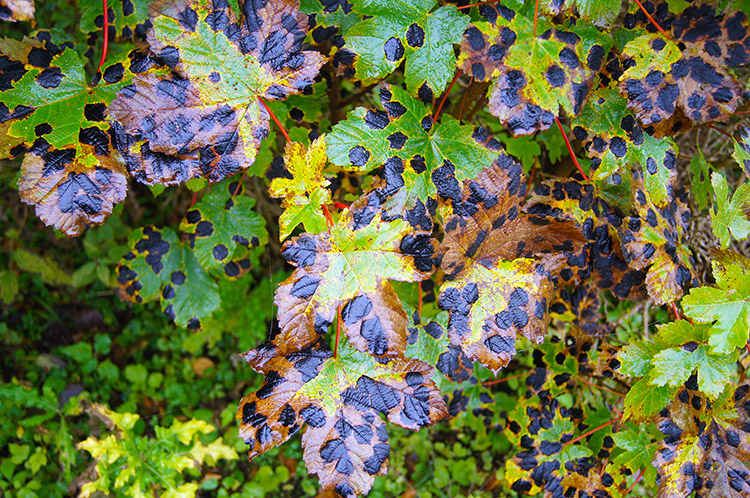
[706, 448]
[615, 140]
[584, 204]
[222, 223]
[71, 174]
[124, 16]
[160, 267]
[728, 305]
[600, 12]
[305, 192]
[410, 31]
[700, 180]
[644, 400]
[505, 49]
[728, 218]
[350, 267]
[495, 286]
[741, 152]
[204, 118]
[340, 399]
[638, 452]
[430, 343]
[16, 10]
[368, 138]
[675, 84]
[655, 238]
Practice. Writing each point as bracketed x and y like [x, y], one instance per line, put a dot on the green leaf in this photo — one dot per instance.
[406, 30]
[644, 400]
[728, 305]
[71, 174]
[741, 151]
[728, 218]
[160, 267]
[127, 15]
[305, 193]
[223, 223]
[700, 182]
[367, 139]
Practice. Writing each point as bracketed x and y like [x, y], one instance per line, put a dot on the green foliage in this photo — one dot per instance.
[412, 241]
[149, 466]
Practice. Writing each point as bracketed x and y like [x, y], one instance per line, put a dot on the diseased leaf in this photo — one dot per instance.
[673, 85]
[160, 267]
[124, 16]
[350, 267]
[498, 282]
[71, 174]
[340, 399]
[16, 10]
[534, 75]
[305, 193]
[409, 31]
[728, 217]
[615, 140]
[222, 224]
[600, 12]
[430, 343]
[203, 117]
[369, 138]
[706, 448]
[728, 305]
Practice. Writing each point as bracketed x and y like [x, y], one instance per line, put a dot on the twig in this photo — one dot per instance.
[105, 40]
[570, 149]
[597, 386]
[653, 21]
[275, 119]
[498, 381]
[445, 96]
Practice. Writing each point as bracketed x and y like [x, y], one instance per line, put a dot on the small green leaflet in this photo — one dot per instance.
[367, 138]
[728, 305]
[700, 183]
[160, 267]
[741, 152]
[399, 30]
[729, 215]
[600, 12]
[223, 222]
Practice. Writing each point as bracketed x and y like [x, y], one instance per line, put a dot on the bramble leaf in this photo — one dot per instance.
[16, 10]
[71, 174]
[340, 399]
[204, 118]
[410, 31]
[305, 193]
[728, 305]
[350, 267]
[728, 218]
[222, 224]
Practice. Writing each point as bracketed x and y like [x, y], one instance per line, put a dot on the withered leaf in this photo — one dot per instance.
[16, 10]
[351, 266]
[340, 399]
[203, 116]
[706, 449]
[673, 85]
[496, 284]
